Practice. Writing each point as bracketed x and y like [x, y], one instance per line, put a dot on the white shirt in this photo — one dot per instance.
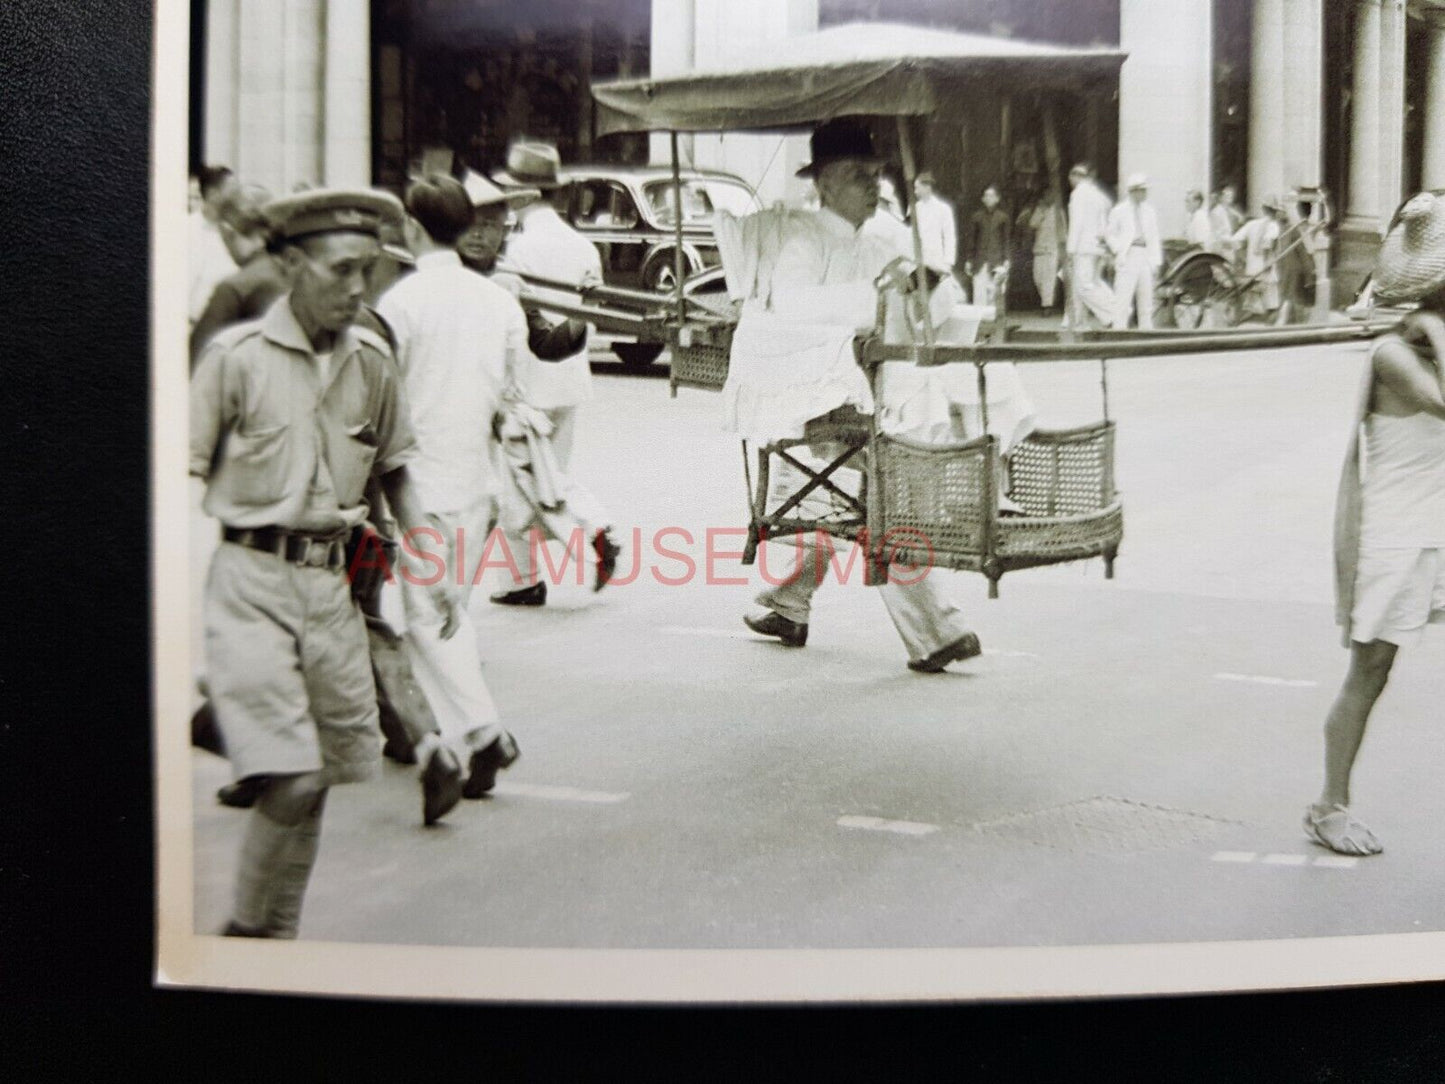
[889, 228]
[826, 269]
[547, 247]
[1201, 230]
[210, 262]
[1088, 219]
[939, 230]
[1129, 222]
[459, 339]
[1258, 236]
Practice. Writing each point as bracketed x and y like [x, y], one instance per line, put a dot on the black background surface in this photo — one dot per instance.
[76, 832]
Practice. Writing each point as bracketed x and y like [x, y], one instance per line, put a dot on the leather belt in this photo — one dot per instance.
[296, 547]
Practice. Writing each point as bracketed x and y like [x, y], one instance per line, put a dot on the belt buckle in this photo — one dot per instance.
[316, 554]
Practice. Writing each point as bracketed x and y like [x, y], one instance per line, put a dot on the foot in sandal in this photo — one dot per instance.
[1335, 827]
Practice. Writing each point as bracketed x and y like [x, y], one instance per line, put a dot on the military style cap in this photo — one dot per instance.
[331, 210]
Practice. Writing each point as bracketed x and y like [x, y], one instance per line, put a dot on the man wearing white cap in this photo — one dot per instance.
[1132, 235]
[547, 247]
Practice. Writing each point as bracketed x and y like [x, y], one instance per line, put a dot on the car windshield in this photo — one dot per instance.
[701, 198]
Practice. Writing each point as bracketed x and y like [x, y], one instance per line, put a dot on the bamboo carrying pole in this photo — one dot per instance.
[677, 256]
[905, 148]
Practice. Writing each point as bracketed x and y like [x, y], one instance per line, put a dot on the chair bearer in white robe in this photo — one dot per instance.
[807, 281]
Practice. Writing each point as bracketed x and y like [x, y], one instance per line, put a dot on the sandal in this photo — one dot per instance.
[1338, 831]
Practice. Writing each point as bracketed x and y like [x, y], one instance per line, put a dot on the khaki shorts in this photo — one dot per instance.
[1397, 593]
[288, 668]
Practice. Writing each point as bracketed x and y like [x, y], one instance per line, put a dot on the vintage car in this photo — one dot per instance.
[628, 212]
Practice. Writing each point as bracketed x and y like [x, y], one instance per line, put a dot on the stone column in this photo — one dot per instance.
[1303, 64]
[1392, 107]
[1433, 173]
[222, 82]
[261, 95]
[1165, 91]
[1266, 101]
[1363, 211]
[674, 44]
[727, 31]
[346, 114]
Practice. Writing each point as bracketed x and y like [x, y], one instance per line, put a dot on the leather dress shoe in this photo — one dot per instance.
[607, 553]
[536, 595]
[486, 763]
[965, 647]
[441, 785]
[243, 793]
[395, 750]
[772, 623]
[235, 929]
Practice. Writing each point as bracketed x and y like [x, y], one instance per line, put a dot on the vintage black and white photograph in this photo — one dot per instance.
[819, 499]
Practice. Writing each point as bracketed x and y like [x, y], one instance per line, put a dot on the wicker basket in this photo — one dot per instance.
[936, 504]
[700, 356]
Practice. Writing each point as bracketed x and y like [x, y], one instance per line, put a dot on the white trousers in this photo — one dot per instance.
[1134, 288]
[926, 620]
[450, 671]
[1091, 296]
[984, 290]
[1046, 276]
[582, 507]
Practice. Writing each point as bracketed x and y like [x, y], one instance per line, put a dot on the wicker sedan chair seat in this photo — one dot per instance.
[929, 503]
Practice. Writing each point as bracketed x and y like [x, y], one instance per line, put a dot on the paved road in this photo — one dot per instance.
[1127, 763]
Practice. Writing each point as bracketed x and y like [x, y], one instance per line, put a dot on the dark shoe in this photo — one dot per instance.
[486, 763]
[235, 929]
[441, 786]
[395, 750]
[792, 633]
[607, 553]
[242, 794]
[965, 647]
[536, 595]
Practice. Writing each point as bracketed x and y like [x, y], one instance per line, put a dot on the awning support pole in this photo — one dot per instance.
[677, 254]
[905, 148]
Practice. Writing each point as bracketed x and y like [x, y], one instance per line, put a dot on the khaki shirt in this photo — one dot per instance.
[276, 447]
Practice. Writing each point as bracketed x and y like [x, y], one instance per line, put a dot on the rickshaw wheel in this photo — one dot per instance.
[1193, 293]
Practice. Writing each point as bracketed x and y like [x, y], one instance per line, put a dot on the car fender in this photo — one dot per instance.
[694, 256]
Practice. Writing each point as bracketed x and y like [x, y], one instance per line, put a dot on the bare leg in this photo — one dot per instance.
[1344, 731]
[275, 822]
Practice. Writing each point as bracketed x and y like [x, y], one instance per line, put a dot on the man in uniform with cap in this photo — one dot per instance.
[825, 271]
[291, 416]
[1132, 234]
[458, 337]
[547, 247]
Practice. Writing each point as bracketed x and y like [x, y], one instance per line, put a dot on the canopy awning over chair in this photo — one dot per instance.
[861, 69]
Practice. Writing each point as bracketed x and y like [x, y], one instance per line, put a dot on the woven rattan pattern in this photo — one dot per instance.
[936, 492]
[702, 365]
[1064, 473]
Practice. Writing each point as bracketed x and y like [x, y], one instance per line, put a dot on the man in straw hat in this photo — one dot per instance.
[458, 337]
[290, 417]
[1132, 234]
[547, 247]
[1390, 517]
[820, 292]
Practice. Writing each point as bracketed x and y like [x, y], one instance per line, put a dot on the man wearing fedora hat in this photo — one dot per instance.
[291, 415]
[1132, 234]
[545, 246]
[825, 271]
[1390, 515]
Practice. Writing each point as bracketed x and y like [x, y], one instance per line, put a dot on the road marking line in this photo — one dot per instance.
[1285, 859]
[1261, 679]
[559, 794]
[879, 824]
[1336, 861]
[1234, 856]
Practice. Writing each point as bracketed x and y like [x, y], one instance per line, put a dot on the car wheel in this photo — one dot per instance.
[637, 355]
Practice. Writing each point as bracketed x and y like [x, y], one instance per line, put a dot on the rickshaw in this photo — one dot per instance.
[935, 503]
